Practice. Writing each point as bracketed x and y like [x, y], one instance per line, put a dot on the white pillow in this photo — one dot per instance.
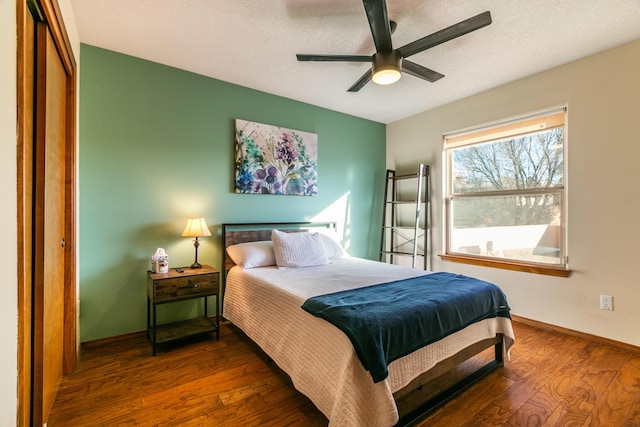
[298, 249]
[252, 254]
[331, 245]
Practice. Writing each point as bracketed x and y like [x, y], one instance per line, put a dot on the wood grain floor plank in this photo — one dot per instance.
[621, 401]
[467, 407]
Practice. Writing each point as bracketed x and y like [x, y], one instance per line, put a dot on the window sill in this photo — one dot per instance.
[507, 265]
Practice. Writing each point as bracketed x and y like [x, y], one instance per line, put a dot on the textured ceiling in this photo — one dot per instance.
[253, 43]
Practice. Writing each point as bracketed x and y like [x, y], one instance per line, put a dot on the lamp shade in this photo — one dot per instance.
[196, 227]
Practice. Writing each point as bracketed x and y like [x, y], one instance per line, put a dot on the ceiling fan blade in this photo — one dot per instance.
[449, 33]
[379, 23]
[417, 70]
[366, 78]
[337, 58]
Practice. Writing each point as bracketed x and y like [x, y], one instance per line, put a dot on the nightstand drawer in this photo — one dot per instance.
[186, 286]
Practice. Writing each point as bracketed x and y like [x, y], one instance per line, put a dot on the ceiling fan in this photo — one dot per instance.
[387, 63]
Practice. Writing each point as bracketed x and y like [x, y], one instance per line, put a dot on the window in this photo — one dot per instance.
[506, 194]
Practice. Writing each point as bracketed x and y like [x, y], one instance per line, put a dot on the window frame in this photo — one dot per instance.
[495, 131]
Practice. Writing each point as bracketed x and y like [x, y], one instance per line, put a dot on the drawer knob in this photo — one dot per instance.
[191, 285]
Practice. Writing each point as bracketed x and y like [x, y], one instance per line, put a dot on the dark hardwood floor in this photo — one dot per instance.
[552, 379]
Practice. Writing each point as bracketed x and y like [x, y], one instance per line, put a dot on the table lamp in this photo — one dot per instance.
[196, 227]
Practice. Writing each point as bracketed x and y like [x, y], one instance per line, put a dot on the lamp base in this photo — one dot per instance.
[196, 264]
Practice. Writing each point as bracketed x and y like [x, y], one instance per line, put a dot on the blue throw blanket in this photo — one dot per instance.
[390, 320]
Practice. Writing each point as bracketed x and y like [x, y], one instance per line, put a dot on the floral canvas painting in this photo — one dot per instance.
[275, 160]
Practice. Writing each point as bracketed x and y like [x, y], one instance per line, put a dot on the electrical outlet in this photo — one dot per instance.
[606, 302]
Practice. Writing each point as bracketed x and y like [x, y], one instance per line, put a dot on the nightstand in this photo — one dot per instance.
[165, 288]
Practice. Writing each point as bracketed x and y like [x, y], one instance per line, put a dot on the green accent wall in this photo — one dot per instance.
[157, 147]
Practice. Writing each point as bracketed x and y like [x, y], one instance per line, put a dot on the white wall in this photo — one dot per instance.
[602, 92]
[8, 195]
[8, 230]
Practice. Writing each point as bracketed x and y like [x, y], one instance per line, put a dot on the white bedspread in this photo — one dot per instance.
[319, 357]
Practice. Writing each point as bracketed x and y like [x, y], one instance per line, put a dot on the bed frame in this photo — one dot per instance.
[410, 411]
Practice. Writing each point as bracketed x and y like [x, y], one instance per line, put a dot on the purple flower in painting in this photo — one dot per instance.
[272, 174]
[286, 149]
[259, 174]
[267, 181]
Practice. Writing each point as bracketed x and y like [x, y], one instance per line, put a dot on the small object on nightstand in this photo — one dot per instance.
[179, 270]
[182, 285]
[160, 261]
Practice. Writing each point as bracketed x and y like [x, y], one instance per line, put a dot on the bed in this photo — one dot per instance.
[266, 303]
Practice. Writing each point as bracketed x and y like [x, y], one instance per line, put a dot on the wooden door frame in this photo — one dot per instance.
[27, 13]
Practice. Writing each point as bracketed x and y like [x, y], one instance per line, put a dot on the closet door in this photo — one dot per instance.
[46, 216]
[50, 241]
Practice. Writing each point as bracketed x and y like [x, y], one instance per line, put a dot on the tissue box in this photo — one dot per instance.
[160, 261]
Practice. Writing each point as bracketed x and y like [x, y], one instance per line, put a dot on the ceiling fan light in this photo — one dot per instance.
[387, 67]
[386, 75]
